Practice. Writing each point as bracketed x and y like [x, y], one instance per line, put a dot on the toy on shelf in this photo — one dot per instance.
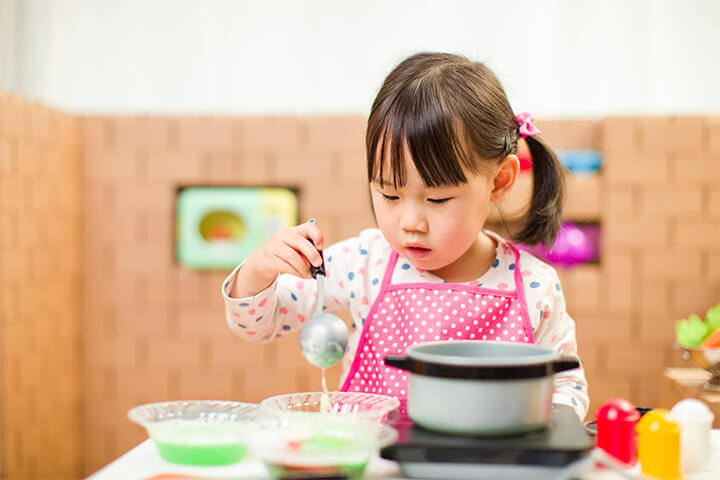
[576, 161]
[580, 161]
[574, 244]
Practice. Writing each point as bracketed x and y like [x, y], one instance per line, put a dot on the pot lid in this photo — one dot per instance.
[481, 353]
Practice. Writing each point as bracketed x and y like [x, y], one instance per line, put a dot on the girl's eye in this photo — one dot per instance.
[439, 200]
[390, 197]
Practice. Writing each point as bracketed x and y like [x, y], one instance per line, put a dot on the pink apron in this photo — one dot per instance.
[409, 313]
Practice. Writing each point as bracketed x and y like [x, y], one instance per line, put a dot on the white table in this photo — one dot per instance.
[144, 462]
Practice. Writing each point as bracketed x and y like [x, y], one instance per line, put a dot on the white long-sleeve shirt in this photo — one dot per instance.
[354, 272]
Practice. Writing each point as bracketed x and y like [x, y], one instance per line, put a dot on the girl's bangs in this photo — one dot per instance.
[429, 133]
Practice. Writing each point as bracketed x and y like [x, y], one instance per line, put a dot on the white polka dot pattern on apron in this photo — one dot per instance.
[405, 314]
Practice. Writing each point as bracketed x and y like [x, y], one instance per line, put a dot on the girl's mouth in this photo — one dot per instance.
[418, 252]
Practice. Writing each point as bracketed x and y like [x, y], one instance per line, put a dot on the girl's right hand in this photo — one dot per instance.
[290, 250]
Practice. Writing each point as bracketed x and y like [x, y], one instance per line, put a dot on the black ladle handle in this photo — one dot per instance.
[314, 271]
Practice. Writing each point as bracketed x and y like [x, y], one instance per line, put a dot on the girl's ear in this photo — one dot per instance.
[505, 175]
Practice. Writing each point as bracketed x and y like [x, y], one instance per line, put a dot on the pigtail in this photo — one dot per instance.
[544, 216]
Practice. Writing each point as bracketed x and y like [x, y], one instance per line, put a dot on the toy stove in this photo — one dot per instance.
[534, 455]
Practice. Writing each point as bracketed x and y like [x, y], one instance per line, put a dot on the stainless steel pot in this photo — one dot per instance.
[471, 387]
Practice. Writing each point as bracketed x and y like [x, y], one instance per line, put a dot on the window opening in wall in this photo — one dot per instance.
[218, 227]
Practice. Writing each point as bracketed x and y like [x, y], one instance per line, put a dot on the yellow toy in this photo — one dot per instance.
[659, 445]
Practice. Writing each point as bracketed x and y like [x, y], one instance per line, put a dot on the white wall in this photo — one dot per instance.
[556, 58]
[8, 43]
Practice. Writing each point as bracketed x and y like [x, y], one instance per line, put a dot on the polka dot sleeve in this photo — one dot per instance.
[251, 317]
[290, 301]
[556, 330]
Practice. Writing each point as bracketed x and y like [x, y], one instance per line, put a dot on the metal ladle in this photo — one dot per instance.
[324, 337]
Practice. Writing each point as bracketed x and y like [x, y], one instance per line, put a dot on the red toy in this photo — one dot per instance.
[616, 419]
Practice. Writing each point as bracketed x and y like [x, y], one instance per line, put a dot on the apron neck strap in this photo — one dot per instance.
[519, 287]
[389, 270]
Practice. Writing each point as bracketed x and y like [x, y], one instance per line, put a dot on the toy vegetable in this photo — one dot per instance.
[691, 332]
[712, 318]
[713, 341]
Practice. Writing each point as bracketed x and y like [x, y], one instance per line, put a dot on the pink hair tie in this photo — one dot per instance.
[527, 128]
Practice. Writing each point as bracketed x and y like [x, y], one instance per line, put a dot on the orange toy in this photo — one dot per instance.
[713, 341]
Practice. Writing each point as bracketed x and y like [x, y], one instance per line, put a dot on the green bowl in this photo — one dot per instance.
[200, 432]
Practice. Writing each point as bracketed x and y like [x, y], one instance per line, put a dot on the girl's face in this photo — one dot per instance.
[436, 228]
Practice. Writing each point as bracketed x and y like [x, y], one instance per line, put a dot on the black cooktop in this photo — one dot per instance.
[425, 454]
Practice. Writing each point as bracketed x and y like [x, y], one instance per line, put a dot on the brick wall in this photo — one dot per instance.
[151, 330]
[656, 199]
[662, 232]
[39, 291]
[156, 331]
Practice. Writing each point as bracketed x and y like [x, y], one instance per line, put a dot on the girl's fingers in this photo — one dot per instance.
[305, 248]
[292, 260]
[293, 250]
[305, 238]
[312, 231]
[286, 267]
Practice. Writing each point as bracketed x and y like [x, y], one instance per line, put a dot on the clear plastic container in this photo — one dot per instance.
[307, 444]
[369, 406]
[200, 432]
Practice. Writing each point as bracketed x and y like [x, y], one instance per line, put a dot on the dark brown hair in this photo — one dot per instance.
[452, 116]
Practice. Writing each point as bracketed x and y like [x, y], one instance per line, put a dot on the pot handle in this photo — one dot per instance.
[398, 361]
[565, 363]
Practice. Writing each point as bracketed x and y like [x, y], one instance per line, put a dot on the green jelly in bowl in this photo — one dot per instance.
[306, 445]
[200, 432]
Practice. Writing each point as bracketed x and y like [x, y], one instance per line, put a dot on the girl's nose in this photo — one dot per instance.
[413, 220]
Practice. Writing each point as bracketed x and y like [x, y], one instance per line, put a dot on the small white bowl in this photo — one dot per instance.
[370, 406]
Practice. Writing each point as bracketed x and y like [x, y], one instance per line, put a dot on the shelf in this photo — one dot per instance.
[582, 202]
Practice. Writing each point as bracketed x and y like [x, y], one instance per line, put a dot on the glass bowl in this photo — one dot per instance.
[200, 432]
[370, 406]
[705, 358]
[306, 445]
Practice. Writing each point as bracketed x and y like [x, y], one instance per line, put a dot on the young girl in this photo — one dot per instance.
[441, 143]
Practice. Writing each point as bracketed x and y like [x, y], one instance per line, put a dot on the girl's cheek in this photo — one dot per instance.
[382, 212]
